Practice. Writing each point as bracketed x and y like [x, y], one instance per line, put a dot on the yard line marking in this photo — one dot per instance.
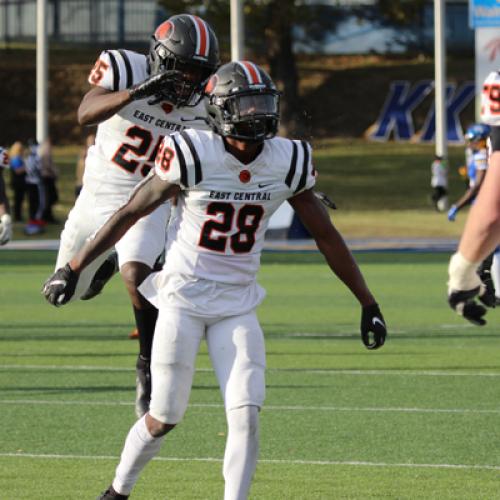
[265, 407]
[319, 371]
[262, 460]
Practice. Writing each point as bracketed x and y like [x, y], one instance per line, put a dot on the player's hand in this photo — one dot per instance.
[452, 213]
[161, 83]
[463, 303]
[5, 229]
[373, 329]
[60, 287]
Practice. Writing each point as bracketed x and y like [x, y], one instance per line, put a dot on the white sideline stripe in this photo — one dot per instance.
[265, 408]
[334, 371]
[262, 460]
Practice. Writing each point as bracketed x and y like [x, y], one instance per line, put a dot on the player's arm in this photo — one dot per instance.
[59, 288]
[338, 256]
[472, 192]
[99, 104]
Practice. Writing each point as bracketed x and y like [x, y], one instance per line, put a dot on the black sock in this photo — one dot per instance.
[145, 320]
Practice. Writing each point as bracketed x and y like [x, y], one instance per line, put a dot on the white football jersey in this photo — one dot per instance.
[225, 206]
[490, 100]
[126, 144]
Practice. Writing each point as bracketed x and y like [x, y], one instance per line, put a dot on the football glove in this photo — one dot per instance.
[463, 303]
[5, 229]
[60, 287]
[162, 83]
[372, 322]
[452, 213]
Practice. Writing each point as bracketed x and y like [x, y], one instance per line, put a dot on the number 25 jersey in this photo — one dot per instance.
[126, 144]
[225, 206]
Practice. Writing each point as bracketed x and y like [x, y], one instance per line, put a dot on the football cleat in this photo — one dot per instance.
[111, 494]
[142, 386]
[107, 270]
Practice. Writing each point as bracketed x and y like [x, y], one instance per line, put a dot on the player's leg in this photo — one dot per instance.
[176, 343]
[236, 348]
[138, 251]
[83, 220]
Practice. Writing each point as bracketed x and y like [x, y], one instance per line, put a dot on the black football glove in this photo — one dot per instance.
[463, 303]
[162, 83]
[372, 322]
[60, 287]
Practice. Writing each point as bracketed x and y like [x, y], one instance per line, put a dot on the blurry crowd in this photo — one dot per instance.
[33, 179]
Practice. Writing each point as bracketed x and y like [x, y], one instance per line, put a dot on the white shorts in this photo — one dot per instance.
[236, 349]
[143, 242]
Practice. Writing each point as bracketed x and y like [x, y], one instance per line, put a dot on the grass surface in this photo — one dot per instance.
[417, 419]
[381, 189]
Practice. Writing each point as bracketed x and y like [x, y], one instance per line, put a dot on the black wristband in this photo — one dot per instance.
[495, 138]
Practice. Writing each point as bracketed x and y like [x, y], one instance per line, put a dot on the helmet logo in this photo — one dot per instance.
[202, 38]
[245, 176]
[211, 84]
[164, 31]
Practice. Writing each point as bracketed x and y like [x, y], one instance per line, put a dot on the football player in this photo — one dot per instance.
[228, 182]
[5, 218]
[476, 159]
[137, 100]
[482, 230]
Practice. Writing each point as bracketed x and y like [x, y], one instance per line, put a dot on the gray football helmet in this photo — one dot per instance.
[187, 44]
[242, 102]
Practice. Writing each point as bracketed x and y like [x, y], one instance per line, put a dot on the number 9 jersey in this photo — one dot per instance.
[126, 144]
[225, 206]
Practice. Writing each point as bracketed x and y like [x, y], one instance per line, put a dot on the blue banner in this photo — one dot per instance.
[484, 13]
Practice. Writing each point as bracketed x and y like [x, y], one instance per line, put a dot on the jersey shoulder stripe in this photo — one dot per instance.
[128, 67]
[305, 165]
[116, 72]
[293, 165]
[196, 159]
[119, 69]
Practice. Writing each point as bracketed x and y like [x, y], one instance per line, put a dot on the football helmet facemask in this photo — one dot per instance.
[242, 102]
[187, 44]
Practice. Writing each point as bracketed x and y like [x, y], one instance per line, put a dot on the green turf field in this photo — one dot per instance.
[415, 420]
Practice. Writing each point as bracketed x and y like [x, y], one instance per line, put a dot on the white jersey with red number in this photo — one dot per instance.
[126, 144]
[225, 206]
[490, 100]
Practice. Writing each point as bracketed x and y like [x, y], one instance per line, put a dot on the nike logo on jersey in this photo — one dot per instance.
[265, 185]
[379, 321]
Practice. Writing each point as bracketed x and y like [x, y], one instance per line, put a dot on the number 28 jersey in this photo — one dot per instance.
[225, 206]
[126, 144]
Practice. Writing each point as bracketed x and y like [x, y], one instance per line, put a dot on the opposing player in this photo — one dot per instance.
[476, 159]
[137, 100]
[482, 230]
[229, 183]
[5, 218]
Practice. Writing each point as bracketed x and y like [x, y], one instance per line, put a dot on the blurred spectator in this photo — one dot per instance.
[439, 183]
[80, 164]
[36, 195]
[18, 178]
[49, 178]
[5, 219]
